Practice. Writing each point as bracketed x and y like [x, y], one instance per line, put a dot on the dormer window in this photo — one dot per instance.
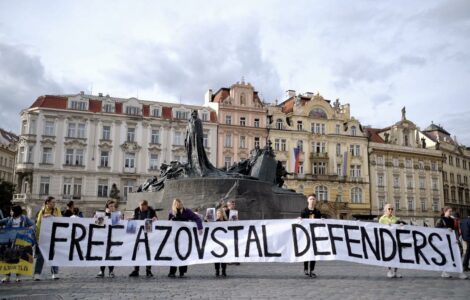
[353, 130]
[279, 124]
[181, 115]
[204, 116]
[78, 105]
[108, 108]
[133, 110]
[156, 112]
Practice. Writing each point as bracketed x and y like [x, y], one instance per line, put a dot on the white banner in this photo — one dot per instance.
[80, 242]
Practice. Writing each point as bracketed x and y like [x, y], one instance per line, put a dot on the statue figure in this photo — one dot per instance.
[114, 193]
[386, 135]
[280, 173]
[403, 113]
[198, 163]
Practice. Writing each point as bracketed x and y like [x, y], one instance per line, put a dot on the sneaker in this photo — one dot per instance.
[100, 275]
[37, 277]
[111, 274]
[397, 275]
[390, 274]
[445, 275]
[55, 276]
[134, 274]
[6, 279]
[463, 276]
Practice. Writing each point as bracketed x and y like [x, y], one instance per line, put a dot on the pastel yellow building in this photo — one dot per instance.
[332, 160]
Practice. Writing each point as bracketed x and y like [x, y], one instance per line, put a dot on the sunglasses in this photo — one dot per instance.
[390, 208]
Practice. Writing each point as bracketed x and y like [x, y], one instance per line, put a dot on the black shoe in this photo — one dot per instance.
[100, 275]
[171, 275]
[306, 272]
[313, 275]
[224, 274]
[181, 275]
[134, 274]
[149, 273]
[466, 269]
[217, 274]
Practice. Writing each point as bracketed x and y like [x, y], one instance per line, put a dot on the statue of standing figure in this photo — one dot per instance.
[199, 164]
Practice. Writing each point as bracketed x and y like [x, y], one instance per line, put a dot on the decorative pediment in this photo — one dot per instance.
[155, 148]
[105, 145]
[48, 141]
[130, 147]
[75, 142]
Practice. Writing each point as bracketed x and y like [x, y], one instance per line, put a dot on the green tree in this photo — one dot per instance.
[6, 195]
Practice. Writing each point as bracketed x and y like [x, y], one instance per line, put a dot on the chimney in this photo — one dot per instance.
[290, 94]
[208, 96]
[100, 94]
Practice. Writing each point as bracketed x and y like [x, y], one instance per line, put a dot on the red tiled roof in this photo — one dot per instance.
[220, 95]
[373, 134]
[146, 110]
[50, 102]
[94, 106]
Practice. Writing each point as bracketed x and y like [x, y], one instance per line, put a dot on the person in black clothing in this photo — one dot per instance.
[220, 218]
[68, 212]
[143, 212]
[180, 213]
[310, 212]
[111, 206]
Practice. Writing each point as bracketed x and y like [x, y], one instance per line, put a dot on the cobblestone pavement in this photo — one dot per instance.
[336, 280]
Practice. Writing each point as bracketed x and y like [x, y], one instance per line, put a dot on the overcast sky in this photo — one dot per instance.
[376, 55]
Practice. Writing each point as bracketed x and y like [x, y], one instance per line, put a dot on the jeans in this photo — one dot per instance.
[40, 264]
[183, 269]
[312, 265]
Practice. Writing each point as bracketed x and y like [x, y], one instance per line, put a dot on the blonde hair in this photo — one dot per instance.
[174, 208]
[222, 211]
[386, 206]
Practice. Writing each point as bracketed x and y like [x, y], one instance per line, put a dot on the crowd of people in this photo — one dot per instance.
[178, 212]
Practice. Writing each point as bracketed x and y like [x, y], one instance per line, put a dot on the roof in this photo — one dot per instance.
[434, 127]
[373, 135]
[7, 137]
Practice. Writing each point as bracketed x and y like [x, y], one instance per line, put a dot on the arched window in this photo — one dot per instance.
[279, 124]
[300, 145]
[318, 113]
[353, 130]
[322, 193]
[356, 195]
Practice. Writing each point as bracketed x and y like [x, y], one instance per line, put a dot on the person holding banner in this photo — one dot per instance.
[110, 207]
[143, 212]
[49, 210]
[389, 218]
[465, 233]
[446, 221]
[220, 218]
[310, 212]
[16, 220]
[179, 213]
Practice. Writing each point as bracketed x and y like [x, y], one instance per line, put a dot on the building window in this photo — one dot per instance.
[129, 161]
[108, 108]
[155, 136]
[421, 165]
[130, 134]
[451, 160]
[337, 128]
[355, 171]
[49, 128]
[74, 157]
[423, 204]
[464, 164]
[178, 141]
[356, 195]
[380, 180]
[339, 170]
[132, 110]
[242, 121]
[67, 188]
[353, 130]
[396, 163]
[71, 130]
[44, 185]
[228, 162]
[409, 182]
[408, 163]
[257, 145]
[47, 155]
[338, 149]
[228, 120]
[77, 188]
[21, 157]
[276, 145]
[153, 162]
[78, 105]
[79, 157]
[397, 203]
[319, 147]
[355, 150]
[300, 145]
[69, 156]
[322, 193]
[301, 167]
[410, 203]
[452, 178]
[24, 127]
[279, 124]
[381, 202]
[104, 159]
[30, 158]
[128, 187]
[205, 117]
[319, 168]
[457, 162]
[205, 139]
[228, 141]
[102, 188]
[156, 112]
[300, 126]
[435, 204]
[256, 123]
[81, 131]
[421, 183]
[283, 145]
[242, 142]
[106, 133]
[181, 115]
[434, 166]
[242, 99]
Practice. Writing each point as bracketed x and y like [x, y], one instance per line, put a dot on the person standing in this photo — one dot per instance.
[465, 234]
[143, 212]
[388, 218]
[220, 218]
[16, 220]
[110, 207]
[446, 221]
[68, 212]
[310, 212]
[49, 210]
[180, 213]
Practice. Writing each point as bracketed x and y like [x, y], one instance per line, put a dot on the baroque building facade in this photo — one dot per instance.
[325, 150]
[455, 170]
[76, 147]
[8, 149]
[405, 173]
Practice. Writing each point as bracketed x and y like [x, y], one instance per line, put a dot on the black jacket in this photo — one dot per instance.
[142, 215]
[306, 213]
[465, 229]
